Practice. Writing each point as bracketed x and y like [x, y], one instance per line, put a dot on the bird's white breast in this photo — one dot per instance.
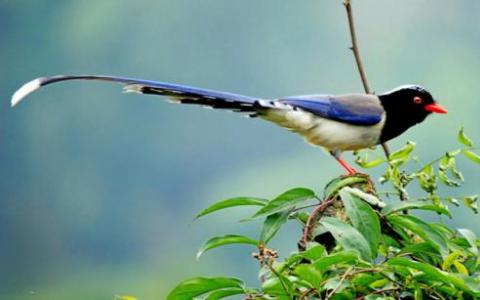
[330, 134]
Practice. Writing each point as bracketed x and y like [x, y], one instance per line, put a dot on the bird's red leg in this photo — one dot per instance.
[350, 170]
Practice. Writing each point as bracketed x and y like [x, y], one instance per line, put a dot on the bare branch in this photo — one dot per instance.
[358, 58]
[312, 218]
[354, 47]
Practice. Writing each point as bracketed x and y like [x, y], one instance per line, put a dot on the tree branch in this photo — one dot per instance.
[354, 47]
[358, 58]
[309, 226]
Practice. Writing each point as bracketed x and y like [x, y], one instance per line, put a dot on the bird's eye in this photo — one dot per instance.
[417, 100]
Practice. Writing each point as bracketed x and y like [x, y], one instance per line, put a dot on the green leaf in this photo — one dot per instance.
[309, 273]
[224, 293]
[448, 163]
[279, 284]
[313, 252]
[462, 138]
[471, 202]
[432, 272]
[337, 284]
[225, 240]
[286, 200]
[460, 268]
[456, 173]
[366, 164]
[379, 283]
[422, 229]
[280, 287]
[442, 175]
[450, 259]
[444, 230]
[420, 248]
[343, 257]
[191, 288]
[472, 283]
[363, 218]
[453, 201]
[471, 238]
[427, 179]
[363, 280]
[418, 294]
[300, 216]
[338, 183]
[272, 224]
[348, 237]
[370, 164]
[471, 263]
[403, 152]
[404, 205]
[232, 202]
[472, 156]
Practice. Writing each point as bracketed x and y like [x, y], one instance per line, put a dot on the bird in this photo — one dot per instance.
[338, 123]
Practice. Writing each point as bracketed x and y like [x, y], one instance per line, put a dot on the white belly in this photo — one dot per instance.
[323, 132]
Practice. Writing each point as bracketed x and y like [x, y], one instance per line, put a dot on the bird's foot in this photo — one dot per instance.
[370, 186]
[352, 172]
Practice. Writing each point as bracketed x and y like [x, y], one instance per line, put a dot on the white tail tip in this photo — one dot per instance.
[25, 90]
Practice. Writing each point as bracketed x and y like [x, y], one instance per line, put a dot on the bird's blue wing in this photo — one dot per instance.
[351, 109]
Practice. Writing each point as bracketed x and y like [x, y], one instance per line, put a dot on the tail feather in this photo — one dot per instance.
[181, 93]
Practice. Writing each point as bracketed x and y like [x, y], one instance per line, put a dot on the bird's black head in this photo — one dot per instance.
[406, 106]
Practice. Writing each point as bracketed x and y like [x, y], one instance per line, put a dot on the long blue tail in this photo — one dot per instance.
[181, 93]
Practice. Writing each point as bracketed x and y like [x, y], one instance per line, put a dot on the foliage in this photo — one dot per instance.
[354, 244]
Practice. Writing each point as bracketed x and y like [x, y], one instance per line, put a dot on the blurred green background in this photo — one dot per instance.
[98, 189]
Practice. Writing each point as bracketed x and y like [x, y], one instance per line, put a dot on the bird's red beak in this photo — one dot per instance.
[436, 108]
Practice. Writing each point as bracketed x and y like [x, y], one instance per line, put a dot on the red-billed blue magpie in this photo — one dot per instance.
[337, 123]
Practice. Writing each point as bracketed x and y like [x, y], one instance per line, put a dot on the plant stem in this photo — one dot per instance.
[269, 265]
[354, 47]
[441, 157]
[347, 273]
[377, 292]
[358, 58]
[303, 207]
[306, 294]
[307, 230]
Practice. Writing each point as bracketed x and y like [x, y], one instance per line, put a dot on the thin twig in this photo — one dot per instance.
[441, 157]
[268, 264]
[306, 294]
[377, 292]
[404, 197]
[354, 47]
[347, 272]
[264, 257]
[311, 219]
[361, 70]
[358, 58]
[303, 207]
[386, 149]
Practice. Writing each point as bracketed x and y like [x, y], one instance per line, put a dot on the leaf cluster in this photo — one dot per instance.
[441, 171]
[354, 242]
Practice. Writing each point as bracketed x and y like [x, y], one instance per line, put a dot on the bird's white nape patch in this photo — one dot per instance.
[25, 90]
